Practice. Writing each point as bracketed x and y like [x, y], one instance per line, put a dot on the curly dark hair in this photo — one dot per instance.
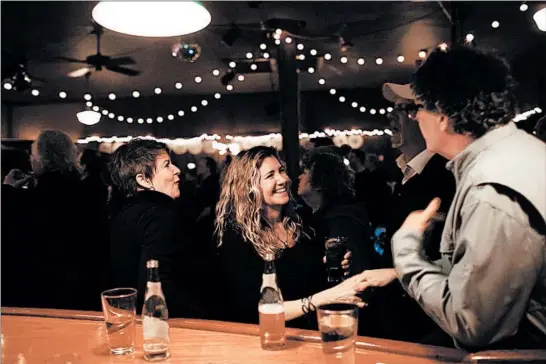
[330, 176]
[473, 88]
[136, 157]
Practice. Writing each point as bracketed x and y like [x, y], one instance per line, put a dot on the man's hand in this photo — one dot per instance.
[377, 277]
[419, 220]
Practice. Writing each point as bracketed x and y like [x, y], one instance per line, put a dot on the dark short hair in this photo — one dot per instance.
[134, 158]
[473, 88]
[211, 165]
[330, 176]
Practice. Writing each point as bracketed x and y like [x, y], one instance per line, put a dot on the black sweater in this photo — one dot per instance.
[148, 226]
[300, 273]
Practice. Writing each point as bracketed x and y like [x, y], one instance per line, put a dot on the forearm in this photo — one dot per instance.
[295, 309]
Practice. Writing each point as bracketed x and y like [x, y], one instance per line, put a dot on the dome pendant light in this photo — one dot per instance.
[152, 19]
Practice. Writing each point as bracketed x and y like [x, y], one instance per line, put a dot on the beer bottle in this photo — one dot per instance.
[271, 308]
[154, 317]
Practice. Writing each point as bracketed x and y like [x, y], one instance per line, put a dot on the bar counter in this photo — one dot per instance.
[78, 337]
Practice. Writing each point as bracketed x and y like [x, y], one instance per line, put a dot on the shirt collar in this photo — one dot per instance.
[417, 163]
[465, 158]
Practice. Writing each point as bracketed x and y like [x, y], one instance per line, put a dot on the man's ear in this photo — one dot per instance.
[444, 123]
[143, 182]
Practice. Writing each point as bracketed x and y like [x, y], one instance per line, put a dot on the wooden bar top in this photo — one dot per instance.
[77, 337]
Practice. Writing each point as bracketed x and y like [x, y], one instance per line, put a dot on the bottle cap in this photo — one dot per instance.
[152, 264]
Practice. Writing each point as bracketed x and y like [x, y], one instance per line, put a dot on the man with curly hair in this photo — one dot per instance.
[489, 289]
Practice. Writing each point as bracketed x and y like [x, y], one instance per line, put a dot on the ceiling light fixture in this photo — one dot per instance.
[88, 117]
[152, 19]
[540, 19]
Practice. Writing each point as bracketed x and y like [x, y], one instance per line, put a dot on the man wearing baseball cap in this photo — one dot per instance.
[424, 177]
[489, 292]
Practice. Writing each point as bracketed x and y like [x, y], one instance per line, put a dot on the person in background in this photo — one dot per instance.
[92, 168]
[370, 188]
[208, 194]
[489, 289]
[256, 216]
[55, 234]
[148, 225]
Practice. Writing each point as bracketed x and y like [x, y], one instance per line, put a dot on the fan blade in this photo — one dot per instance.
[73, 60]
[123, 70]
[79, 72]
[121, 61]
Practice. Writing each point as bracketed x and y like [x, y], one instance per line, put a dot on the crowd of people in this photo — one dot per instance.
[454, 253]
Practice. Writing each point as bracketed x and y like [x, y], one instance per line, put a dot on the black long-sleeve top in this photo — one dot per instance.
[300, 273]
[148, 226]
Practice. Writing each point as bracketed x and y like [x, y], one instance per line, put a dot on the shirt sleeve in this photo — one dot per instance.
[494, 269]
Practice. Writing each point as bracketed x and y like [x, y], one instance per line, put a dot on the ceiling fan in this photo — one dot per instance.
[98, 61]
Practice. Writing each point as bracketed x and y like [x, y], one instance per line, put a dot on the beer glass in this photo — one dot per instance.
[335, 250]
[119, 307]
[338, 325]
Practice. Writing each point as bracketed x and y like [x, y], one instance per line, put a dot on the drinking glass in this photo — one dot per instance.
[335, 251]
[119, 307]
[338, 325]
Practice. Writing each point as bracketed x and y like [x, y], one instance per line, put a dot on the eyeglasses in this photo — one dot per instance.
[410, 109]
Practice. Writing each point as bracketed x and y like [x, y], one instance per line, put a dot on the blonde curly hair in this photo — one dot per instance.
[241, 204]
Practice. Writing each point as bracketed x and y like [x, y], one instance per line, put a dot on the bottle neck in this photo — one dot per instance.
[270, 267]
[153, 275]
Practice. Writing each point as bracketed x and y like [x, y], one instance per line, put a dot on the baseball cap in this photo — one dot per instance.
[394, 92]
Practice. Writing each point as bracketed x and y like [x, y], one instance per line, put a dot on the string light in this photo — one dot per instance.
[159, 119]
[422, 53]
[321, 81]
[263, 46]
[104, 112]
[178, 85]
[277, 41]
[443, 46]
[301, 57]
[495, 24]
[313, 52]
[266, 55]
[400, 58]
[354, 104]
[157, 91]
[343, 59]
[8, 86]
[215, 72]
[523, 7]
[95, 108]
[62, 94]
[217, 96]
[180, 112]
[198, 79]
[288, 40]
[241, 78]
[136, 94]
[204, 102]
[342, 99]
[120, 118]
[249, 55]
[327, 56]
[170, 117]
[193, 109]
[87, 97]
[112, 96]
[140, 120]
[232, 64]
[229, 87]
[382, 111]
[149, 120]
[253, 67]
[469, 38]
[373, 112]
[362, 109]
[89, 104]
[332, 91]
[111, 115]
[130, 120]
[311, 70]
[379, 61]
[361, 61]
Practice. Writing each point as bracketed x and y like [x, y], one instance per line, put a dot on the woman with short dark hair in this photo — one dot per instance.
[148, 225]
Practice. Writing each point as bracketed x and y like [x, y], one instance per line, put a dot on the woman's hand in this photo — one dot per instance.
[377, 277]
[345, 292]
[17, 178]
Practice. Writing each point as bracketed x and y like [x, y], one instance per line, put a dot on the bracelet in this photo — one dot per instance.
[305, 305]
[311, 306]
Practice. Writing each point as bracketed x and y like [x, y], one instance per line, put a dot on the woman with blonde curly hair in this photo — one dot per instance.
[256, 216]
